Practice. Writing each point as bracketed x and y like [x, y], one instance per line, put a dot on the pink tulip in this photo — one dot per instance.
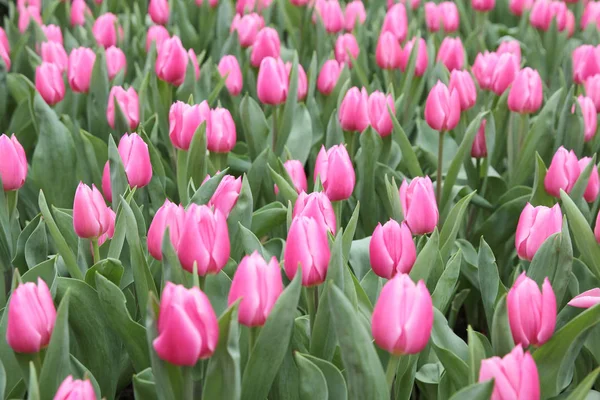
[563, 172]
[302, 80]
[295, 170]
[432, 16]
[346, 49]
[331, 15]
[531, 312]
[115, 61]
[159, 11]
[211, 3]
[597, 228]
[106, 30]
[169, 216]
[220, 131]
[90, 215]
[442, 108]
[483, 5]
[54, 53]
[25, 3]
[504, 74]
[110, 232]
[52, 33]
[229, 68]
[329, 75]
[388, 53]
[451, 53]
[354, 110]
[396, 22]
[71, 389]
[512, 47]
[591, 15]
[258, 285]
[225, 196]
[593, 187]
[128, 103]
[79, 10]
[81, 65]
[379, 115]
[136, 160]
[318, 207]
[194, 59]
[479, 147]
[13, 163]
[422, 56]
[247, 28]
[592, 90]
[414, 4]
[265, 45]
[26, 15]
[586, 63]
[157, 34]
[172, 61]
[403, 316]
[49, 82]
[535, 225]
[307, 246]
[450, 16]
[336, 172]
[392, 250]
[188, 330]
[203, 240]
[462, 82]
[272, 81]
[559, 12]
[525, 96]
[419, 205]
[541, 15]
[517, 7]
[355, 12]
[586, 299]
[590, 117]
[515, 376]
[5, 57]
[483, 69]
[4, 43]
[247, 6]
[299, 3]
[184, 120]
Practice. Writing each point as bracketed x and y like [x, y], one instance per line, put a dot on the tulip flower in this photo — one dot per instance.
[479, 147]
[115, 61]
[346, 49]
[171, 216]
[265, 45]
[432, 16]
[220, 131]
[419, 205]
[229, 68]
[536, 224]
[299, 3]
[13, 163]
[184, 120]
[225, 196]
[106, 30]
[592, 90]
[392, 250]
[525, 94]
[541, 15]
[515, 376]
[483, 69]
[403, 316]
[159, 11]
[586, 63]
[307, 246]
[258, 285]
[379, 115]
[451, 53]
[336, 172]
[354, 110]
[512, 47]
[483, 5]
[52, 33]
[591, 15]
[157, 34]
[295, 170]
[31, 317]
[172, 61]
[110, 232]
[396, 22]
[562, 173]
[354, 12]
[79, 10]
[450, 16]
[422, 56]
[331, 14]
[531, 312]
[5, 57]
[90, 215]
[204, 240]
[26, 15]
[462, 82]
[586, 299]
[302, 80]
[318, 207]
[388, 52]
[128, 103]
[247, 28]
[78, 389]
[593, 187]
[4, 43]
[272, 82]
[504, 73]
[54, 53]
[442, 108]
[81, 65]
[590, 117]
[194, 60]
[49, 82]
[329, 75]
[188, 330]
[517, 7]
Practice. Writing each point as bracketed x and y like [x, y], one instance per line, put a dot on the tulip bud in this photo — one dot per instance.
[110, 232]
[346, 49]
[272, 82]
[483, 69]
[329, 75]
[388, 53]
[158, 34]
[403, 316]
[13, 163]
[128, 102]
[330, 13]
[419, 205]
[295, 170]
[169, 216]
[531, 312]
[512, 47]
[71, 389]
[451, 53]
[4, 43]
[354, 110]
[586, 299]
[592, 89]
[307, 246]
[450, 16]
[392, 250]
[52, 33]
[336, 172]
[586, 63]
[559, 12]
[535, 225]
[115, 61]
[593, 187]
[432, 16]
[54, 53]
[541, 15]
[515, 376]
[204, 240]
[526, 95]
[590, 117]
[318, 207]
[442, 108]
[26, 15]
[505, 71]
[379, 115]
[81, 65]
[355, 11]
[479, 148]
[422, 56]
[396, 22]
[90, 215]
[302, 80]
[184, 120]
[258, 285]
[591, 15]
[136, 160]
[172, 61]
[188, 330]
[220, 131]
[79, 10]
[229, 68]
[49, 82]
[247, 28]
[462, 82]
[159, 11]
[106, 30]
[517, 7]
[563, 172]
[265, 45]
[226, 195]
[483, 5]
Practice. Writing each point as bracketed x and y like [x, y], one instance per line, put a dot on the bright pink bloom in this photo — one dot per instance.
[318, 207]
[302, 80]
[90, 213]
[451, 53]
[53, 33]
[225, 196]
[136, 160]
[432, 16]
[49, 82]
[483, 69]
[230, 68]
[593, 187]
[106, 30]
[535, 225]
[479, 148]
[172, 61]
[442, 108]
[115, 61]
[379, 115]
[591, 15]
[354, 12]
[13, 163]
[329, 75]
[71, 389]
[169, 216]
[450, 16]
[307, 246]
[504, 74]
[331, 14]
[526, 94]
[592, 89]
[563, 172]
[586, 63]
[26, 15]
[510, 46]
[422, 57]
[295, 170]
[462, 82]
[346, 49]
[392, 250]
[586, 299]
[159, 11]
[110, 232]
[194, 59]
[336, 172]
[483, 5]
[419, 205]
[5, 57]
[266, 44]
[128, 103]
[184, 120]
[247, 27]
[4, 40]
[273, 81]
[54, 53]
[388, 53]
[354, 110]
[81, 65]
[396, 22]
[517, 7]
[157, 34]
[220, 131]
[79, 10]
[590, 117]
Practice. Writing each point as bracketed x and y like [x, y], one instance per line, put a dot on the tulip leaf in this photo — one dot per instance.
[348, 236]
[110, 268]
[393, 197]
[267, 218]
[208, 188]
[301, 131]
[336, 385]
[313, 385]
[286, 121]
[446, 285]
[241, 213]
[452, 225]
[370, 148]
[255, 126]
[285, 185]
[2, 381]
[144, 386]
[489, 279]
[97, 101]
[323, 340]
[540, 197]
[475, 391]
[338, 271]
[118, 179]
[582, 181]
[477, 352]
[409, 158]
[196, 165]
[582, 391]
[450, 349]
[36, 247]
[217, 288]
[427, 258]
[500, 226]
[502, 340]
[33, 392]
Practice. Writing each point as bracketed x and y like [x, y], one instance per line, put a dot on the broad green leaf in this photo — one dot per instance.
[489, 280]
[452, 225]
[476, 354]
[426, 259]
[583, 389]
[475, 391]
[446, 285]
[450, 349]
[313, 385]
[144, 386]
[110, 268]
[502, 339]
[336, 385]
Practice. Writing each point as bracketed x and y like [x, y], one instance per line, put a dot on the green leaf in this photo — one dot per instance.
[97, 99]
[453, 224]
[286, 188]
[540, 197]
[336, 385]
[489, 280]
[582, 181]
[36, 247]
[393, 196]
[313, 385]
[118, 178]
[476, 354]
[241, 214]
[446, 285]
[2, 381]
[450, 349]
[289, 109]
[426, 259]
[255, 126]
[370, 144]
[144, 386]
[476, 391]
[300, 133]
[583, 389]
[409, 157]
[348, 236]
[196, 157]
[33, 393]
[502, 339]
[267, 218]
[110, 268]
[206, 191]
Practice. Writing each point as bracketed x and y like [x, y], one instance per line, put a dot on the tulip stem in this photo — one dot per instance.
[254, 331]
[96, 250]
[312, 299]
[438, 182]
[337, 209]
[274, 117]
[392, 367]
[182, 179]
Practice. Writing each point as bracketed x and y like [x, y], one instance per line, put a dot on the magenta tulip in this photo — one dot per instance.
[184, 120]
[590, 117]
[442, 108]
[525, 94]
[450, 16]
[535, 225]
[272, 82]
[451, 53]
[483, 5]
[157, 34]
[354, 110]
[110, 232]
[52, 33]
[266, 44]
[432, 16]
[107, 31]
[90, 213]
[388, 52]
[504, 73]
[81, 65]
[28, 14]
[593, 187]
[128, 103]
[225, 196]
[562, 173]
[172, 61]
[392, 250]
[136, 160]
[512, 47]
[159, 11]
[479, 147]
[517, 7]
[49, 82]
[586, 62]
[295, 170]
[307, 246]
[379, 116]
[592, 90]
[334, 169]
[329, 75]
[462, 82]
[483, 69]
[220, 131]
[54, 53]
[586, 299]
[115, 61]
[302, 80]
[171, 216]
[79, 10]
[422, 56]
[71, 389]
[317, 206]
[13, 163]
[353, 14]
[396, 22]
[346, 49]
[247, 28]
[331, 14]
[591, 15]
[229, 68]
[419, 206]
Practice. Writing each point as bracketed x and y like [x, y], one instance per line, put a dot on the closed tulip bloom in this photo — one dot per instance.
[157, 34]
[4, 40]
[422, 56]
[515, 376]
[336, 172]
[535, 225]
[302, 80]
[136, 160]
[541, 15]
[49, 82]
[517, 7]
[307, 246]
[115, 61]
[483, 5]
[106, 30]
[526, 95]
[512, 47]
[586, 63]
[265, 45]
[531, 311]
[392, 250]
[449, 15]
[419, 205]
[590, 117]
[31, 317]
[13, 163]
[247, 28]
[90, 216]
[592, 90]
[184, 120]
[54, 53]
[442, 108]
[128, 102]
[28, 14]
[346, 49]
[220, 131]
[451, 53]
[479, 147]
[396, 22]
[504, 74]
[403, 316]
[379, 115]
[81, 65]
[432, 16]
[110, 232]
[159, 11]
[258, 285]
[462, 82]
[331, 14]
[593, 187]
[230, 68]
[79, 10]
[78, 389]
[354, 12]
[591, 15]
[388, 53]
[52, 33]
[272, 82]
[172, 61]
[586, 299]
[562, 173]
[354, 110]
[204, 240]
[194, 59]
[295, 170]
[226, 195]
[188, 329]
[559, 12]
[317, 206]
[171, 216]
[329, 75]
[483, 69]
[299, 3]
